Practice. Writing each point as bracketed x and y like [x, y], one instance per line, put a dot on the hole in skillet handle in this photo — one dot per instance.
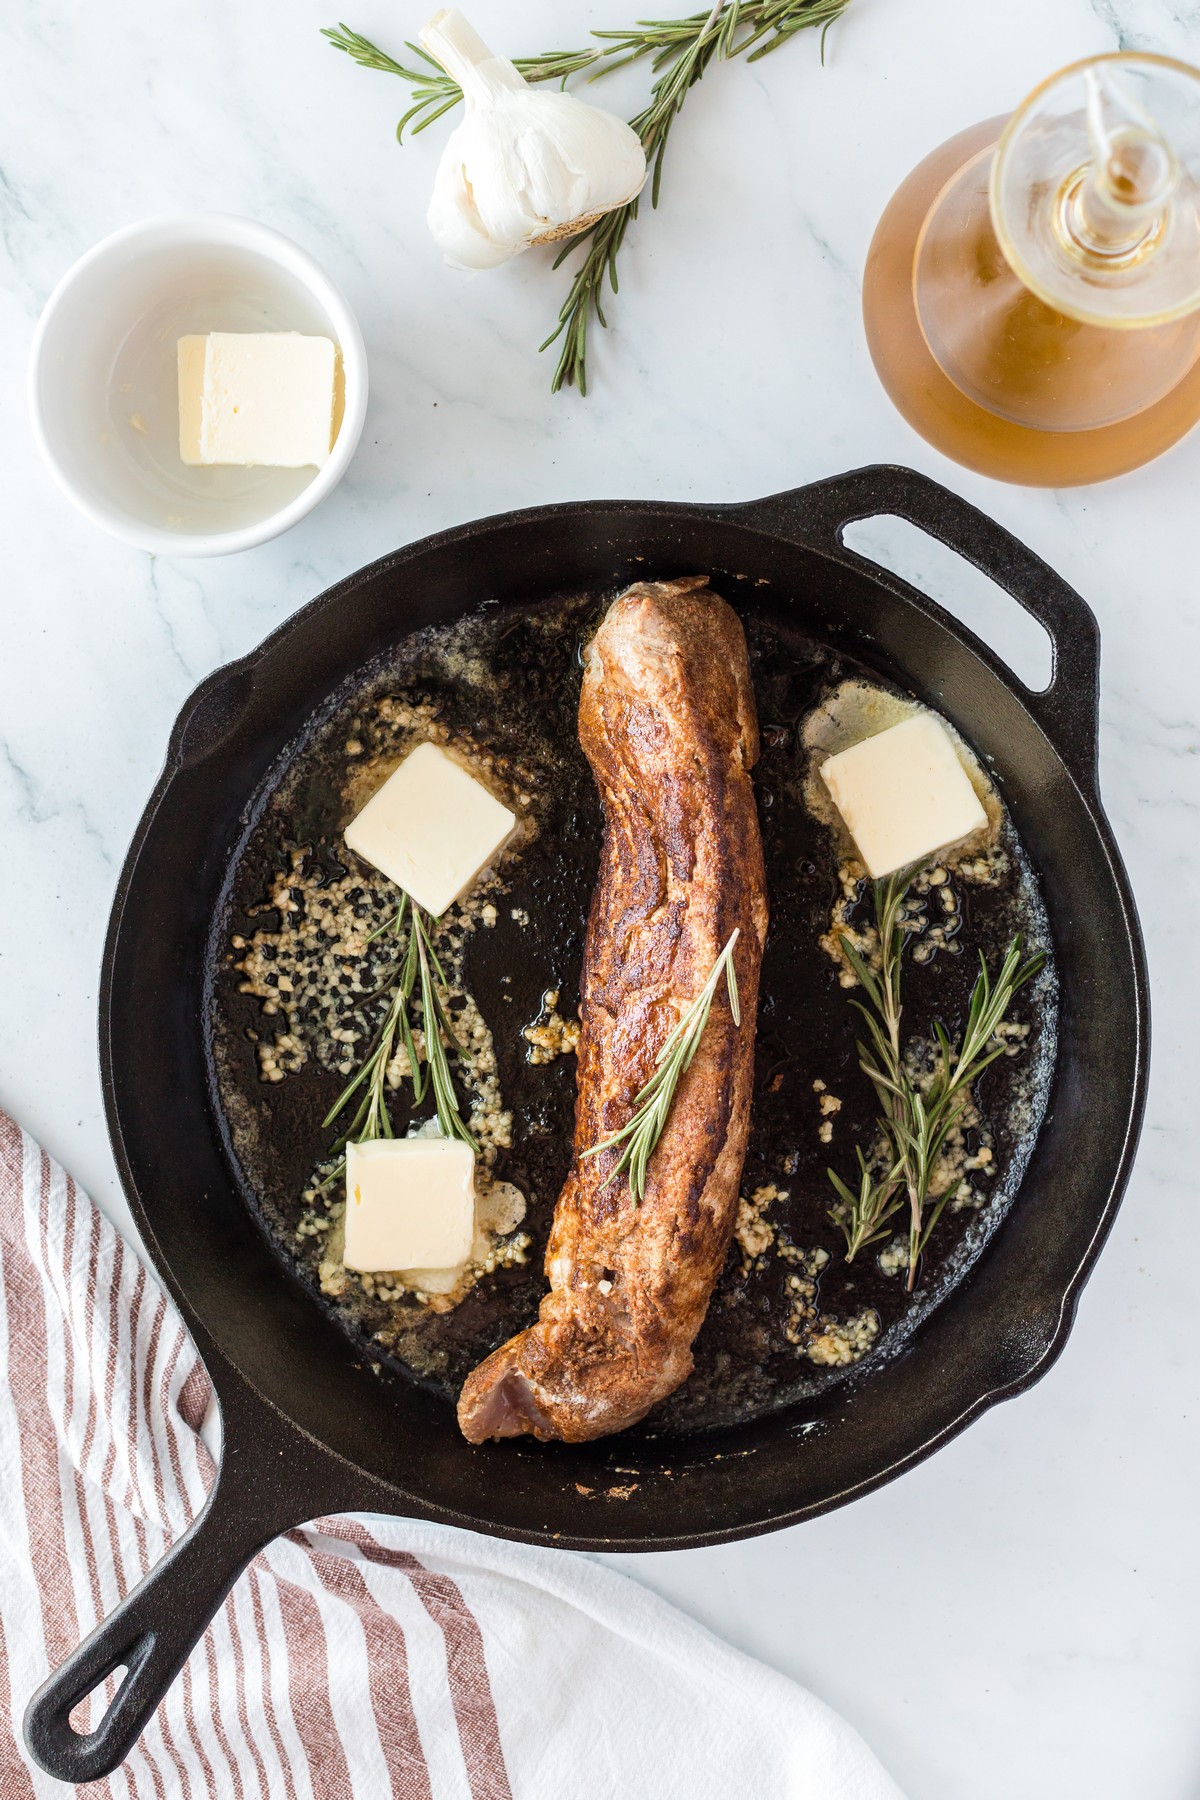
[1067, 709]
[965, 592]
[86, 1714]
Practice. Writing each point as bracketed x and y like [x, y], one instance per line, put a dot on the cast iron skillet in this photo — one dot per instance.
[308, 1429]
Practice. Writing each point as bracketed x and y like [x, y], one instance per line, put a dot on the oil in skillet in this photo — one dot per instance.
[511, 678]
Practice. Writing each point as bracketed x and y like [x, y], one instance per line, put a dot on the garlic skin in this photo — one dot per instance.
[523, 167]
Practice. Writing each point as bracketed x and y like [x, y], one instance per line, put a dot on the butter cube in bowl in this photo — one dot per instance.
[280, 374]
[258, 399]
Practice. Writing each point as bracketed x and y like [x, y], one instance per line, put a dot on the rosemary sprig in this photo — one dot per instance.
[652, 1105]
[680, 50]
[435, 92]
[753, 28]
[915, 1125]
[422, 975]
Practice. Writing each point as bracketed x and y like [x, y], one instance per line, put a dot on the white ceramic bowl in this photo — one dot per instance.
[103, 394]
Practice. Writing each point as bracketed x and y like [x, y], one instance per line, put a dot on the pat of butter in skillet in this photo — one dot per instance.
[410, 1204]
[431, 827]
[256, 398]
[903, 794]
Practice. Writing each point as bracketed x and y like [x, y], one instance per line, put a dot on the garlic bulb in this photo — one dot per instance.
[523, 167]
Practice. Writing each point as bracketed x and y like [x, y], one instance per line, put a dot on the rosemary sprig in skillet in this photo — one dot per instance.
[914, 1124]
[680, 51]
[652, 1107]
[422, 977]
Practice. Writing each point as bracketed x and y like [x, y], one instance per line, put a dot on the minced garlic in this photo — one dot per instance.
[551, 1035]
[841, 1342]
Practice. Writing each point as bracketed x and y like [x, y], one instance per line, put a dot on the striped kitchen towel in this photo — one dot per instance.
[355, 1659]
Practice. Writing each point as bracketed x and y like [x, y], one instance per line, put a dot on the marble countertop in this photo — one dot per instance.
[1019, 1615]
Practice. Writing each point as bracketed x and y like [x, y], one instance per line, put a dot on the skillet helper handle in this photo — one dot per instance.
[1068, 711]
[153, 1631]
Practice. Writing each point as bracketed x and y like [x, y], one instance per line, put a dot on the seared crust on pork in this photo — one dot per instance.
[667, 721]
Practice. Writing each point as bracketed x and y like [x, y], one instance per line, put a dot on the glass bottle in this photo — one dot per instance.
[1032, 292]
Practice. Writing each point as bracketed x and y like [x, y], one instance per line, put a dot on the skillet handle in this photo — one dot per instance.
[154, 1629]
[1069, 709]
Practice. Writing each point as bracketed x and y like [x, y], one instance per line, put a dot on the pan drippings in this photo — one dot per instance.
[789, 1316]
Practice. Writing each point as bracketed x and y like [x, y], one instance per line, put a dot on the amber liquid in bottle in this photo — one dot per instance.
[1018, 390]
